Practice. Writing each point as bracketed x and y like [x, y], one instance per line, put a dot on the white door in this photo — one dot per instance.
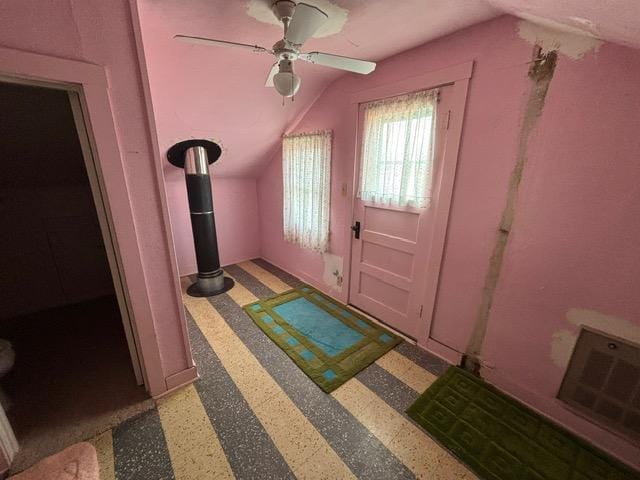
[389, 253]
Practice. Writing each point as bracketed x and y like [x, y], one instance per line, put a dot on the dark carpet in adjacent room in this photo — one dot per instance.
[72, 377]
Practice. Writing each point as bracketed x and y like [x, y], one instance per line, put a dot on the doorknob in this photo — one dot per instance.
[356, 229]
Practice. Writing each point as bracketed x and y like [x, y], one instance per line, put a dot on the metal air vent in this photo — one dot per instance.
[603, 382]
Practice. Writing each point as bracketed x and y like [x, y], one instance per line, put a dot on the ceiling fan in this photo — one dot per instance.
[300, 22]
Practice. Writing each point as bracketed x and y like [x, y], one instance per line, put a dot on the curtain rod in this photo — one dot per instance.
[315, 133]
[416, 93]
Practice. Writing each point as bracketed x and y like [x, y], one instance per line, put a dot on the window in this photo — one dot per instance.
[306, 171]
[397, 153]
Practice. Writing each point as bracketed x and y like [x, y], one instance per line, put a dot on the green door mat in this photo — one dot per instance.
[501, 439]
[327, 340]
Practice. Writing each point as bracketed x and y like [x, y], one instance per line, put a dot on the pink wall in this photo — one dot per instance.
[486, 158]
[236, 210]
[573, 243]
[100, 32]
[175, 72]
[573, 253]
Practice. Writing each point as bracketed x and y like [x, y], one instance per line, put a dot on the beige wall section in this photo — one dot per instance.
[549, 38]
[563, 341]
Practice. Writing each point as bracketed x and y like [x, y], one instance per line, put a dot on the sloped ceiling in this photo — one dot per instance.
[211, 92]
[219, 93]
[616, 21]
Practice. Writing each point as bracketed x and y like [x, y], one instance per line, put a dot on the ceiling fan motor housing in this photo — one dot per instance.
[300, 21]
[283, 9]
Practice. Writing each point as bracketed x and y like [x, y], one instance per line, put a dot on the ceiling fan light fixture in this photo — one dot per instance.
[286, 83]
[300, 21]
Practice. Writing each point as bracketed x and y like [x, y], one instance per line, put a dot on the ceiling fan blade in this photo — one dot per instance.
[219, 43]
[306, 20]
[274, 70]
[341, 63]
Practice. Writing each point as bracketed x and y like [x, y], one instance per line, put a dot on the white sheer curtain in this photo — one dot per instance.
[397, 152]
[306, 171]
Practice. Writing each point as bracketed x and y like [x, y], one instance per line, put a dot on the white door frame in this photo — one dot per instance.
[458, 77]
[87, 144]
[415, 282]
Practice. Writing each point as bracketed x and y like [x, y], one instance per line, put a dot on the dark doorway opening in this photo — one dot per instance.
[72, 376]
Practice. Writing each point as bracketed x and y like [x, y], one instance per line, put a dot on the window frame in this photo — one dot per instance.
[395, 200]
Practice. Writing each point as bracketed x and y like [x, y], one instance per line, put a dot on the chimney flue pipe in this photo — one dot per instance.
[195, 156]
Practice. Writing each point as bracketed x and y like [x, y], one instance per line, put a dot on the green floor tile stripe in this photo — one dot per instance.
[327, 371]
[501, 439]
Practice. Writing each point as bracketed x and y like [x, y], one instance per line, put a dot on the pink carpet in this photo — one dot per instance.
[78, 462]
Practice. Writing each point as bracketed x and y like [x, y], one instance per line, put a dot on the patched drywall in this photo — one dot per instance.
[574, 241]
[551, 39]
[261, 11]
[540, 72]
[332, 274]
[578, 26]
[563, 341]
[615, 22]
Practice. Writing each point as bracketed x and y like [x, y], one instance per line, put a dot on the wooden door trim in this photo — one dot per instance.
[457, 76]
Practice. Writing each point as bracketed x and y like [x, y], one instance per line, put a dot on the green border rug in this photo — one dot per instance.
[329, 341]
[501, 439]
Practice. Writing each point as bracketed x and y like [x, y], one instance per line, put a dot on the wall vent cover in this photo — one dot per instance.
[603, 382]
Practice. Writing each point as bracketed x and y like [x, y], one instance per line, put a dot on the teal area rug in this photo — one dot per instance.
[329, 341]
[501, 439]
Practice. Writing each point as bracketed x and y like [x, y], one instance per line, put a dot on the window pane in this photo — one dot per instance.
[397, 154]
[306, 168]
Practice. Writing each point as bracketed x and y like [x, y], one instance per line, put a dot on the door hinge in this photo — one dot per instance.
[448, 118]
[421, 307]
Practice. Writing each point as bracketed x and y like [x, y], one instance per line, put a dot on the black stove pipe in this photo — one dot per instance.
[195, 156]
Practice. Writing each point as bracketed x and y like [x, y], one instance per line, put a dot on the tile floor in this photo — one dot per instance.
[253, 414]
